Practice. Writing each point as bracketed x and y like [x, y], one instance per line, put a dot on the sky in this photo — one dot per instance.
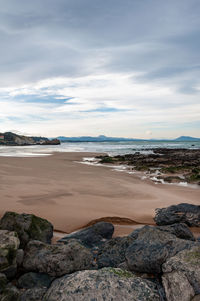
[123, 68]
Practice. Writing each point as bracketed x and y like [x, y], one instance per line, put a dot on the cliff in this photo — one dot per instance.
[12, 139]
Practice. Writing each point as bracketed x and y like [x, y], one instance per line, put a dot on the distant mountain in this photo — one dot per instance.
[12, 139]
[187, 138]
[100, 138]
[103, 138]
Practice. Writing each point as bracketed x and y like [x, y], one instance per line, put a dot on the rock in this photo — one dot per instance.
[93, 235]
[152, 248]
[33, 294]
[28, 227]
[9, 244]
[180, 230]
[31, 280]
[10, 293]
[3, 282]
[19, 257]
[106, 284]
[112, 252]
[181, 278]
[57, 260]
[185, 213]
[196, 298]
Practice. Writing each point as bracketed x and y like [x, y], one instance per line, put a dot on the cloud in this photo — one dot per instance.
[65, 64]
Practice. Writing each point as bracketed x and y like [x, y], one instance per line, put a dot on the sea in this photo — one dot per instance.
[111, 148]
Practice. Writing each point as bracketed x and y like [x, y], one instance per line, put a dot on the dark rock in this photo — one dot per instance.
[33, 294]
[106, 284]
[3, 282]
[181, 278]
[28, 227]
[180, 230]
[146, 257]
[31, 280]
[152, 248]
[112, 252]
[93, 235]
[19, 257]
[10, 293]
[9, 244]
[57, 260]
[185, 213]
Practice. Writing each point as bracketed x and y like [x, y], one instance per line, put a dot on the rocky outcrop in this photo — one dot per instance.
[57, 260]
[182, 213]
[181, 278]
[152, 248]
[171, 165]
[93, 235]
[9, 244]
[106, 284]
[28, 227]
[13, 139]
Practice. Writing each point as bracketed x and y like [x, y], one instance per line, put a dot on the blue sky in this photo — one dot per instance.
[87, 67]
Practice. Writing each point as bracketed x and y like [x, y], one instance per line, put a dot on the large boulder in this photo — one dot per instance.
[181, 278]
[185, 213]
[152, 248]
[9, 244]
[28, 227]
[106, 284]
[57, 260]
[31, 280]
[93, 235]
[112, 252]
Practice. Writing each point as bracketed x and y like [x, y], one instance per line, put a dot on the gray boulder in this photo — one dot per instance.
[185, 213]
[112, 252]
[28, 227]
[9, 244]
[181, 278]
[57, 260]
[33, 294]
[152, 248]
[92, 236]
[31, 280]
[107, 284]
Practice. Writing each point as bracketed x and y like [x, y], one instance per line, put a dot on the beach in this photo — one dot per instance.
[71, 194]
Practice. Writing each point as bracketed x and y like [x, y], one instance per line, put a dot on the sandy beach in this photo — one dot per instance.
[70, 194]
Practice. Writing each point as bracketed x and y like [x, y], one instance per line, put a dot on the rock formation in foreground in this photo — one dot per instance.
[160, 263]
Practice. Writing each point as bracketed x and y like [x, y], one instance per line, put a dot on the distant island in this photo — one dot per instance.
[103, 138]
[12, 139]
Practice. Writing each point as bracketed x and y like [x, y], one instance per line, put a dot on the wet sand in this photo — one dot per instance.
[71, 194]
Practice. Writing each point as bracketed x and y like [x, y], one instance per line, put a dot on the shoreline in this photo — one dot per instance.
[71, 195]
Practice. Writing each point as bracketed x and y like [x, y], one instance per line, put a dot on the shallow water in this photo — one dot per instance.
[112, 148]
